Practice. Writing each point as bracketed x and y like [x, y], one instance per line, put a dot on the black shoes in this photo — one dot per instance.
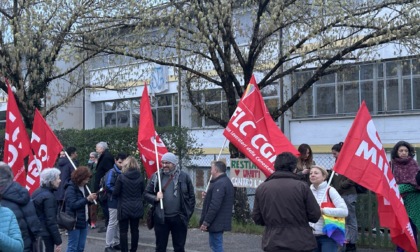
[113, 248]
[350, 247]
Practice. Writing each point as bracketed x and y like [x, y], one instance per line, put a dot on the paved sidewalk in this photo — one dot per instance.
[197, 241]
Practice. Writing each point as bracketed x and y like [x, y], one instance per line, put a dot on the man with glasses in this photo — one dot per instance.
[178, 203]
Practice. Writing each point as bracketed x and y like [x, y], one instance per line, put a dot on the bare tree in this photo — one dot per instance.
[40, 52]
[223, 42]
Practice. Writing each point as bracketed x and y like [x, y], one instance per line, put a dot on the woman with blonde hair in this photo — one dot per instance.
[325, 193]
[129, 189]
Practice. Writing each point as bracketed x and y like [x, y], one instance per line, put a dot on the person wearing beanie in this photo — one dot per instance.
[178, 203]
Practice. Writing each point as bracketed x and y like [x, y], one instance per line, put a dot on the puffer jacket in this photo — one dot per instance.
[17, 199]
[10, 236]
[76, 204]
[284, 204]
[66, 168]
[340, 209]
[129, 189]
[46, 209]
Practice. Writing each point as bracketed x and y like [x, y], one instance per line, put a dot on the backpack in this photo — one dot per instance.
[102, 194]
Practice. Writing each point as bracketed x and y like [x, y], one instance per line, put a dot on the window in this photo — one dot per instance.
[214, 100]
[126, 113]
[386, 87]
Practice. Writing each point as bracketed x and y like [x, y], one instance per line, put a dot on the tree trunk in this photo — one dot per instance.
[242, 212]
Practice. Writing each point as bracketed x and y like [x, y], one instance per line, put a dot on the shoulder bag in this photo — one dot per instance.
[334, 227]
[65, 220]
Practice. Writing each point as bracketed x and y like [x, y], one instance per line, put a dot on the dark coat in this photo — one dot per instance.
[129, 189]
[285, 205]
[105, 163]
[66, 168]
[218, 205]
[187, 194]
[46, 209]
[18, 200]
[75, 204]
[343, 185]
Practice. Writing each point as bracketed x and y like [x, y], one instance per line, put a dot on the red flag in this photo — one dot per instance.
[147, 135]
[252, 130]
[46, 148]
[363, 160]
[16, 144]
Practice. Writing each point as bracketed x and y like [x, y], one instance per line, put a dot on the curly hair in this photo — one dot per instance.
[48, 176]
[394, 151]
[79, 175]
[130, 163]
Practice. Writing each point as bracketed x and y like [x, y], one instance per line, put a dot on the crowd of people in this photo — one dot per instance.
[293, 203]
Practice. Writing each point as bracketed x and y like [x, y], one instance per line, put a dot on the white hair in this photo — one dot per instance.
[103, 145]
[49, 175]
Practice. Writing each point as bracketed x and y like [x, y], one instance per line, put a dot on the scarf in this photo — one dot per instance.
[405, 171]
[175, 173]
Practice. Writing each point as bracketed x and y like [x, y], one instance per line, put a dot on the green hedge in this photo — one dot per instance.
[176, 139]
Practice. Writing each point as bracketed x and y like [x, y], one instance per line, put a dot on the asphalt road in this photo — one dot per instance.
[197, 241]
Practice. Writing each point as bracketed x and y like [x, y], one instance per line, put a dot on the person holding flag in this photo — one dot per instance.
[178, 199]
[405, 170]
[324, 193]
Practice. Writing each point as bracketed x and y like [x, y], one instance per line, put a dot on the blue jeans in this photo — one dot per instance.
[77, 240]
[325, 244]
[351, 219]
[216, 241]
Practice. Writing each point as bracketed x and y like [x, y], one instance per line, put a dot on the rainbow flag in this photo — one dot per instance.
[334, 227]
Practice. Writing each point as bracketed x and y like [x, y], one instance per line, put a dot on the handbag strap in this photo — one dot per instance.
[64, 200]
[329, 197]
[167, 183]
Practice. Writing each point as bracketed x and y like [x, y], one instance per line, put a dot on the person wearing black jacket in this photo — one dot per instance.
[105, 163]
[66, 168]
[129, 190]
[178, 203]
[17, 199]
[46, 208]
[216, 216]
[76, 202]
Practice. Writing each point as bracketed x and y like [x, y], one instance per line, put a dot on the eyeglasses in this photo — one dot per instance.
[91, 157]
[166, 163]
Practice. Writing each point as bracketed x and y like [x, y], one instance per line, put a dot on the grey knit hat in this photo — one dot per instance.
[170, 157]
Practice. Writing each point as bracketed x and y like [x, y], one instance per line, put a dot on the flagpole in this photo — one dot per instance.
[158, 168]
[218, 158]
[329, 183]
[75, 168]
